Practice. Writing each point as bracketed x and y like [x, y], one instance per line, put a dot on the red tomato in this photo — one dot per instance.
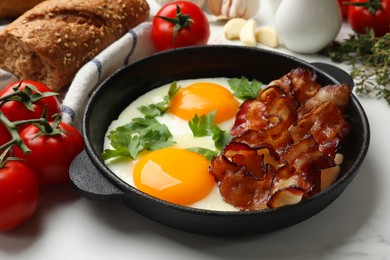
[343, 8]
[361, 17]
[15, 110]
[19, 194]
[51, 154]
[192, 26]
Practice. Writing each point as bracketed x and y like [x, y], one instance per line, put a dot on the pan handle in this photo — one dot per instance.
[339, 74]
[90, 182]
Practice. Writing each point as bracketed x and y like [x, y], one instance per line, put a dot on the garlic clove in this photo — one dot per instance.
[242, 8]
[214, 7]
[228, 9]
[267, 36]
[233, 27]
[248, 33]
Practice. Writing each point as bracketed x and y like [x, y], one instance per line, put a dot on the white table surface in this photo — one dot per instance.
[355, 226]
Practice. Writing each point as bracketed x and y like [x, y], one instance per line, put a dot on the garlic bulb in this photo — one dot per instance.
[199, 3]
[227, 9]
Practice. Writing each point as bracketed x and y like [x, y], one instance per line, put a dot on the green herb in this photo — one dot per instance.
[204, 126]
[158, 109]
[245, 89]
[140, 134]
[369, 57]
[221, 138]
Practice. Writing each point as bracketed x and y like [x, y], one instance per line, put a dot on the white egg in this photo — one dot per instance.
[182, 135]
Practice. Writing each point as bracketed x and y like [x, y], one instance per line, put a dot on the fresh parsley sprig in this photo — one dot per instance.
[221, 138]
[245, 89]
[204, 126]
[140, 134]
[158, 109]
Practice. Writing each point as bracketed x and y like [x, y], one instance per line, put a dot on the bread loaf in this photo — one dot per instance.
[50, 42]
[14, 8]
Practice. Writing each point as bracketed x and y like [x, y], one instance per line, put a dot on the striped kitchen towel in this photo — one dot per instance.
[133, 46]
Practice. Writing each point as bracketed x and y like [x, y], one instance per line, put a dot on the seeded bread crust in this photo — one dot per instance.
[50, 42]
[14, 8]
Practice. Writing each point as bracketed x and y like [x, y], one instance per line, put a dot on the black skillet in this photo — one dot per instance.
[95, 181]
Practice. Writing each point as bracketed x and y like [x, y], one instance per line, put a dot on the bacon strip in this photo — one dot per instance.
[282, 141]
[245, 181]
[250, 116]
[265, 119]
[326, 124]
[337, 94]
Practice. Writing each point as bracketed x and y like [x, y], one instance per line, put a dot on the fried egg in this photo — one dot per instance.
[175, 174]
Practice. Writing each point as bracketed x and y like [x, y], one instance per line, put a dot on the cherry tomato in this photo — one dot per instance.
[192, 26]
[360, 17]
[19, 194]
[51, 155]
[343, 8]
[15, 110]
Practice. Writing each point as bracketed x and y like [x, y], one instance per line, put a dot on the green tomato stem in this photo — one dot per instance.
[371, 5]
[15, 137]
[18, 93]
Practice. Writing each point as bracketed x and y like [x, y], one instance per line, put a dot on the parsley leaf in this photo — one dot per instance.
[204, 126]
[158, 109]
[140, 134]
[245, 89]
[154, 110]
[221, 138]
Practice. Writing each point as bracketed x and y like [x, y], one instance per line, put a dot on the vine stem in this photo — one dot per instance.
[15, 136]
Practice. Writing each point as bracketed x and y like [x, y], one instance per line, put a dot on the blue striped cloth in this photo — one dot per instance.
[133, 46]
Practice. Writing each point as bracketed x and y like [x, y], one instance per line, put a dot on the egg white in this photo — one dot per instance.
[181, 133]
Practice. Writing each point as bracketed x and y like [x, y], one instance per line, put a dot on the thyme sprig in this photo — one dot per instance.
[369, 57]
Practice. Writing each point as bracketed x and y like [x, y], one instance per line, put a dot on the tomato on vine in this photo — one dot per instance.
[53, 147]
[19, 194]
[366, 14]
[30, 102]
[180, 24]
[42, 149]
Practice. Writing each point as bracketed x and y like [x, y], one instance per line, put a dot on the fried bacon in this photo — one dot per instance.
[272, 107]
[282, 141]
[249, 116]
[265, 118]
[325, 123]
[337, 94]
[300, 83]
[245, 180]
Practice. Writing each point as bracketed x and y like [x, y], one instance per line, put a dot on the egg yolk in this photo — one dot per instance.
[203, 98]
[175, 175]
